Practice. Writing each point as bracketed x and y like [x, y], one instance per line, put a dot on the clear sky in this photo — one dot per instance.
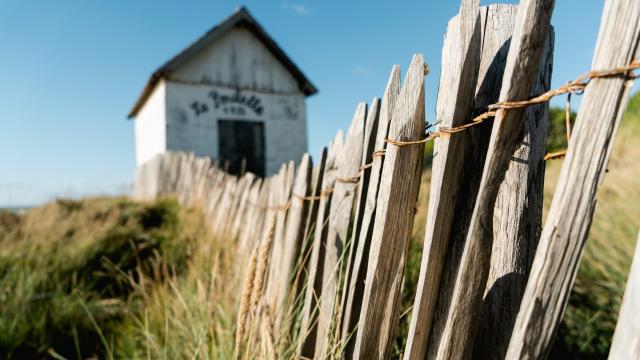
[71, 70]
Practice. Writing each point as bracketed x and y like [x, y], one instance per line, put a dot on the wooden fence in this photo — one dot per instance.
[330, 241]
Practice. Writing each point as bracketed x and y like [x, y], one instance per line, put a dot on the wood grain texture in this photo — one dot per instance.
[355, 283]
[249, 223]
[340, 214]
[460, 60]
[301, 280]
[496, 22]
[530, 36]
[396, 201]
[293, 233]
[308, 327]
[316, 191]
[626, 339]
[371, 125]
[279, 247]
[517, 220]
[569, 219]
[277, 198]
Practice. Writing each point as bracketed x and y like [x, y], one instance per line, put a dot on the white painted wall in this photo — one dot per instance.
[150, 126]
[238, 59]
[283, 117]
[188, 120]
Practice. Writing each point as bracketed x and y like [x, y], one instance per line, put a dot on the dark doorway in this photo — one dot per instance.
[241, 146]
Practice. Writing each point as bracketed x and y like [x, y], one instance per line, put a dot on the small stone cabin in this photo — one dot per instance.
[232, 95]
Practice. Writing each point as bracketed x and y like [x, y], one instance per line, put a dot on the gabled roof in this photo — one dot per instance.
[241, 18]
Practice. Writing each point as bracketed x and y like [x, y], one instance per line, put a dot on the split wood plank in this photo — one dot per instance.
[241, 215]
[460, 61]
[626, 339]
[521, 190]
[260, 213]
[396, 201]
[567, 226]
[293, 233]
[517, 220]
[316, 193]
[308, 328]
[348, 166]
[371, 125]
[355, 282]
[283, 196]
[527, 45]
[238, 200]
[301, 270]
[248, 224]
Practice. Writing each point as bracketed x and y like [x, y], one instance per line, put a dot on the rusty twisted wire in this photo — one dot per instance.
[576, 86]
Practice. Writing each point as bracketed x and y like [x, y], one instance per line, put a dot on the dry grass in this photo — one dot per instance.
[114, 279]
[70, 284]
[590, 317]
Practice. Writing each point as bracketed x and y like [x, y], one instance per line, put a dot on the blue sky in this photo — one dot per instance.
[71, 70]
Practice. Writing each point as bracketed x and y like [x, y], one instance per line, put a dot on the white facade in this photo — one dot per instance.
[150, 126]
[234, 77]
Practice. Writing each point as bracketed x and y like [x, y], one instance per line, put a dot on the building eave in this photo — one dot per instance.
[241, 18]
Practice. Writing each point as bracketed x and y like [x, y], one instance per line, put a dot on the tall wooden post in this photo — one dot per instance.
[567, 226]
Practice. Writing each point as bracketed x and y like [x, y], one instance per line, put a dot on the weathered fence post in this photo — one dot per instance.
[626, 339]
[516, 226]
[294, 229]
[282, 209]
[527, 45]
[517, 220]
[460, 60]
[395, 211]
[301, 280]
[567, 226]
[348, 164]
[371, 125]
[357, 271]
[248, 225]
[308, 329]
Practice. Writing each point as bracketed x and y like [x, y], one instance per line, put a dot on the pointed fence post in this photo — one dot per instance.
[399, 185]
[567, 225]
[357, 270]
[460, 60]
[293, 233]
[308, 326]
[517, 217]
[626, 339]
[348, 165]
[529, 39]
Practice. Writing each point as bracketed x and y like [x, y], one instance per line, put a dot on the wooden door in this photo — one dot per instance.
[242, 146]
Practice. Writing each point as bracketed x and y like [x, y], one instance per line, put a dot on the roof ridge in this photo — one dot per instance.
[241, 16]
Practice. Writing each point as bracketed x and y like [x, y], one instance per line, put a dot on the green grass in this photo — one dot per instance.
[590, 318]
[112, 278]
[76, 277]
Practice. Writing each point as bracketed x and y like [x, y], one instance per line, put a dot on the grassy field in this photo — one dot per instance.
[111, 278]
[590, 318]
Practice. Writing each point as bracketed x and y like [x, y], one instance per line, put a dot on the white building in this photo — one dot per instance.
[232, 95]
